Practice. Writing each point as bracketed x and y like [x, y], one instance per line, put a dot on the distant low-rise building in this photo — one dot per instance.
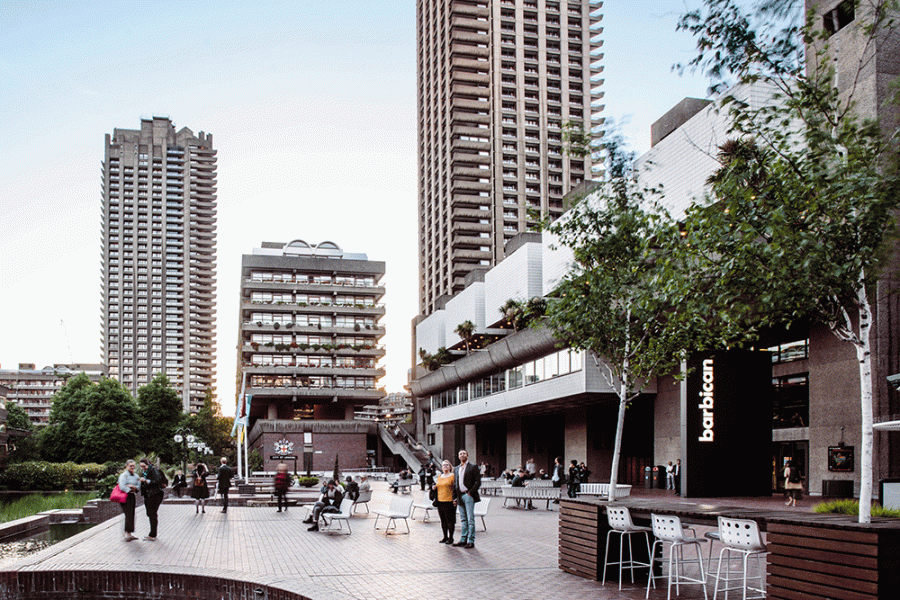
[33, 388]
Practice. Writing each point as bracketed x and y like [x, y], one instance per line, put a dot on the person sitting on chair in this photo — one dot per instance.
[329, 502]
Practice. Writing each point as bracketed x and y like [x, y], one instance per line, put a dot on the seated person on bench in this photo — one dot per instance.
[330, 501]
[519, 481]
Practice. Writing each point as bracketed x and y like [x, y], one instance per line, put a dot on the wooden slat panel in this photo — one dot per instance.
[831, 545]
[586, 536]
[792, 562]
[854, 560]
[835, 581]
[586, 551]
[578, 572]
[815, 590]
[575, 559]
[861, 537]
[579, 523]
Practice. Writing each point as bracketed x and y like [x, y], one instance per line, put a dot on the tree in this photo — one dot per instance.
[210, 426]
[60, 436]
[800, 214]
[624, 300]
[465, 330]
[160, 412]
[17, 418]
[91, 422]
[108, 428]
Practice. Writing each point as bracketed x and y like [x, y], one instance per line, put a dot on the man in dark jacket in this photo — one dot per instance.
[223, 482]
[466, 482]
[330, 501]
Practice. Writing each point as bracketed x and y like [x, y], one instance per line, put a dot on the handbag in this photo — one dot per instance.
[117, 495]
[432, 494]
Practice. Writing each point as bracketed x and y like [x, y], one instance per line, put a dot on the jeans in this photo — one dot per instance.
[466, 505]
[151, 503]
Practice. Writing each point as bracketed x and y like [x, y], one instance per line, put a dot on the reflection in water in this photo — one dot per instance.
[11, 551]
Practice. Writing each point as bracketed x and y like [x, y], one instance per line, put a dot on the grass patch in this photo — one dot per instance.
[32, 504]
[851, 507]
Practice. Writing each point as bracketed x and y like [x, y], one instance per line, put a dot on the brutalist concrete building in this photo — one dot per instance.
[308, 350]
[498, 80]
[159, 257]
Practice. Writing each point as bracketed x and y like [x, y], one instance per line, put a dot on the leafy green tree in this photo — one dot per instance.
[108, 429]
[210, 426]
[800, 213]
[624, 301]
[91, 422]
[160, 412]
[60, 436]
[17, 418]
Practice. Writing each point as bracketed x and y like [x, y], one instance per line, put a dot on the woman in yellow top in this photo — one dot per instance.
[443, 483]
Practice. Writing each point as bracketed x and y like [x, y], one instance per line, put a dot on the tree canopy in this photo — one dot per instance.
[160, 413]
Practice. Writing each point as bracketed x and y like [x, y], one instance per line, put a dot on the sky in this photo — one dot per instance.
[312, 107]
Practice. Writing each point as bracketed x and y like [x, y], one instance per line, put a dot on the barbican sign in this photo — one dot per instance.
[726, 435]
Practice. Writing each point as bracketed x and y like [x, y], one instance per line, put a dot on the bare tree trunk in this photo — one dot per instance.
[864, 358]
[620, 422]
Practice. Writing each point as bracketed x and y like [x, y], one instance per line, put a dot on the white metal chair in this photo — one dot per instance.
[619, 519]
[344, 515]
[668, 529]
[481, 509]
[363, 499]
[425, 505]
[740, 536]
[400, 508]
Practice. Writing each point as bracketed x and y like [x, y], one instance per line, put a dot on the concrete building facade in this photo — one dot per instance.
[308, 349]
[33, 388]
[498, 82]
[159, 258]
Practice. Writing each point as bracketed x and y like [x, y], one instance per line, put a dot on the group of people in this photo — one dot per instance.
[331, 498]
[151, 483]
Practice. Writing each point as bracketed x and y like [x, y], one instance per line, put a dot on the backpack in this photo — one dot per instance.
[794, 476]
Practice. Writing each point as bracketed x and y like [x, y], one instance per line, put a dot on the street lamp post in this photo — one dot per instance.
[185, 437]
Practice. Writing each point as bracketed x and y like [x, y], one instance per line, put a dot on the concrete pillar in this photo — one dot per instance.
[576, 435]
[272, 412]
[472, 444]
[513, 443]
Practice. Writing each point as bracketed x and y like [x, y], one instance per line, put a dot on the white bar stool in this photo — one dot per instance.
[740, 536]
[620, 521]
[668, 529]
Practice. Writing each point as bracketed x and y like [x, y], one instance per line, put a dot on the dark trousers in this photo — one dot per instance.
[281, 497]
[572, 489]
[447, 513]
[224, 500]
[151, 504]
[128, 509]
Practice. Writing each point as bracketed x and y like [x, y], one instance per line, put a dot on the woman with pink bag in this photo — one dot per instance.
[129, 482]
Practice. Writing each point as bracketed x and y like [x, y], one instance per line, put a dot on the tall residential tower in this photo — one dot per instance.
[159, 257]
[499, 80]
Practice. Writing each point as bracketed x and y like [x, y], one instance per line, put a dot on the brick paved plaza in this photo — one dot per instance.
[515, 559]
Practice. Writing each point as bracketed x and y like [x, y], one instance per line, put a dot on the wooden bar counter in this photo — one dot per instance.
[811, 556]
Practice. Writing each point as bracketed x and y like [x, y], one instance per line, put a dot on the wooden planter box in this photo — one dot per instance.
[833, 559]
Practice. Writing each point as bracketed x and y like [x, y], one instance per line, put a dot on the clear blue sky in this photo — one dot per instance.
[312, 106]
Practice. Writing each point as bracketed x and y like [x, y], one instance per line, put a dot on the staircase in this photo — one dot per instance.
[404, 445]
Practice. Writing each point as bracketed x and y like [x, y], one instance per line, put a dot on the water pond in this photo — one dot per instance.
[14, 550]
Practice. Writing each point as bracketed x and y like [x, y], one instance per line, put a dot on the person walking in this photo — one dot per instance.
[443, 501]
[793, 483]
[559, 475]
[670, 477]
[282, 483]
[223, 482]
[130, 483]
[152, 485]
[200, 488]
[466, 482]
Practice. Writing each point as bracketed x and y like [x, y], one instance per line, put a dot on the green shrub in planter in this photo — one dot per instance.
[307, 481]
